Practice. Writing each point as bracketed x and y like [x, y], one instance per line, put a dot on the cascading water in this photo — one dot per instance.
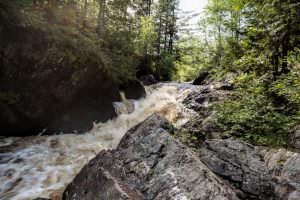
[124, 107]
[41, 166]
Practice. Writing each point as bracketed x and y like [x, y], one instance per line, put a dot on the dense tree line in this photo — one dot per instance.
[255, 44]
[138, 34]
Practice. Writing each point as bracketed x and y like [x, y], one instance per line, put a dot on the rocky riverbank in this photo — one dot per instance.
[176, 153]
[150, 163]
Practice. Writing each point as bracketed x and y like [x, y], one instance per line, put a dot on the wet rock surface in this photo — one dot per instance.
[133, 89]
[201, 100]
[237, 162]
[148, 164]
[148, 79]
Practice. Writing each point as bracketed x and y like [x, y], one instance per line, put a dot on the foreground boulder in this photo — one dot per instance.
[148, 164]
[237, 162]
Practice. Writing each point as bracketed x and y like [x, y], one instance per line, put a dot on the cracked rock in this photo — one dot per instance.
[148, 164]
[237, 162]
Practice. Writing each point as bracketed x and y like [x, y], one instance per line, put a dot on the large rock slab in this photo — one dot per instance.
[237, 162]
[148, 164]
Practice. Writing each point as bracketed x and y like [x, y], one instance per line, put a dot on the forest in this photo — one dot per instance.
[255, 44]
[76, 66]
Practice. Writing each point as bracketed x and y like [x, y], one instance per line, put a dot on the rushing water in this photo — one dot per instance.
[41, 166]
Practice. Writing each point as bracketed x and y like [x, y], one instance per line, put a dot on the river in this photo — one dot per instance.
[41, 166]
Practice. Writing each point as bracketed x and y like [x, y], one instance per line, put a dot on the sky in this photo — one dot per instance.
[195, 6]
[192, 5]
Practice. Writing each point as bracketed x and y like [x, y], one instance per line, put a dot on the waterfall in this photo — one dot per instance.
[41, 166]
[126, 106]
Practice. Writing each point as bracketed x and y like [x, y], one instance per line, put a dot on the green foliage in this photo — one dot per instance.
[147, 35]
[9, 98]
[192, 59]
[288, 85]
[256, 43]
[253, 119]
[166, 66]
[67, 43]
[253, 115]
[237, 185]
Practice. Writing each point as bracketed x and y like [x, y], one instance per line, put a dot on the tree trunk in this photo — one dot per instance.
[149, 7]
[157, 65]
[285, 48]
[166, 8]
[172, 29]
[275, 61]
[101, 18]
[85, 12]
[219, 48]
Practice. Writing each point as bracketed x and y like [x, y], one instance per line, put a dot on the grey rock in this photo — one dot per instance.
[148, 164]
[294, 140]
[201, 100]
[275, 160]
[14, 121]
[133, 89]
[148, 80]
[226, 86]
[285, 168]
[237, 162]
[201, 78]
[289, 183]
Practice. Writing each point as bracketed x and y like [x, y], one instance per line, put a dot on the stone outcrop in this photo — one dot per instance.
[294, 140]
[201, 78]
[133, 89]
[237, 162]
[285, 168]
[148, 164]
[148, 80]
[289, 182]
[201, 100]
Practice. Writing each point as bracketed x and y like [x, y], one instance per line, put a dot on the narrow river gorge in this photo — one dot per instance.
[41, 166]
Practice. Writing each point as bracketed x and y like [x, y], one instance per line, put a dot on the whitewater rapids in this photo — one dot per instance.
[42, 166]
